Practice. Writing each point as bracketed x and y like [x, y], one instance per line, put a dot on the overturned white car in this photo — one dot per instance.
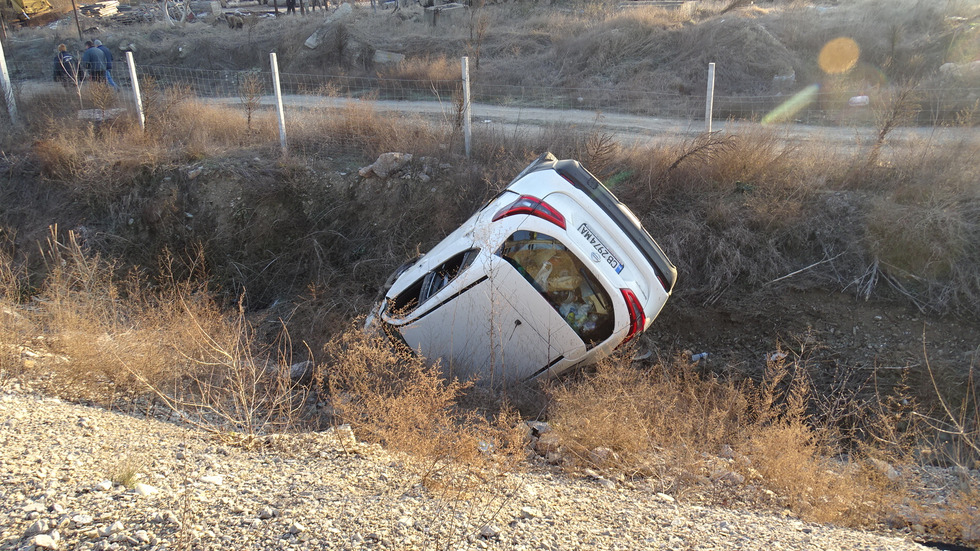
[552, 273]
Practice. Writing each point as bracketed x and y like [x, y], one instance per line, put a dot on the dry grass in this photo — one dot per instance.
[103, 338]
[682, 430]
[395, 397]
[127, 343]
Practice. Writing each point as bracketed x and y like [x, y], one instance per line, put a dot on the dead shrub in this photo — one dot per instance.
[101, 338]
[357, 127]
[682, 428]
[638, 413]
[392, 396]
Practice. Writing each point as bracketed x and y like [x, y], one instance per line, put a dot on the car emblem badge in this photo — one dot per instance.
[595, 257]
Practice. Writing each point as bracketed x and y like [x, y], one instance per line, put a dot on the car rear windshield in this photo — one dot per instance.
[564, 281]
[431, 283]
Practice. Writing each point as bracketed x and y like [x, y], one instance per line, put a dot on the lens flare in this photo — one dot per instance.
[839, 56]
[792, 106]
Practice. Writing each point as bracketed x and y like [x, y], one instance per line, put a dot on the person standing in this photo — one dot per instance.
[108, 63]
[65, 67]
[93, 61]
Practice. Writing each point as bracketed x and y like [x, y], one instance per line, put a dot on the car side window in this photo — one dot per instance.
[431, 283]
[564, 281]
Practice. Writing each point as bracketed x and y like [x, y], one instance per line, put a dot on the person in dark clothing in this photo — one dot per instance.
[108, 62]
[65, 67]
[290, 6]
[93, 61]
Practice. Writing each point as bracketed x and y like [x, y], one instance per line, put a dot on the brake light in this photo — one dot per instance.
[526, 204]
[637, 318]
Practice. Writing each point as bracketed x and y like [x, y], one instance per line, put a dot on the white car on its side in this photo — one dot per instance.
[552, 273]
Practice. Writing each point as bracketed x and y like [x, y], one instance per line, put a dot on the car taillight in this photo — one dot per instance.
[527, 204]
[637, 318]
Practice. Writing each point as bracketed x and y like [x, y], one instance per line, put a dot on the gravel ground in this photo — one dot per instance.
[325, 491]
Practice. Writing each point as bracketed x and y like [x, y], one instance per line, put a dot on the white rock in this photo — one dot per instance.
[665, 497]
[114, 528]
[489, 531]
[145, 489]
[82, 520]
[726, 452]
[539, 427]
[406, 521]
[36, 527]
[600, 455]
[295, 527]
[606, 483]
[266, 512]
[103, 486]
[215, 479]
[530, 512]
[44, 541]
[36, 507]
[386, 165]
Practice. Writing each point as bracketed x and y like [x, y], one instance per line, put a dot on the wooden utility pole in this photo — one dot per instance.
[78, 25]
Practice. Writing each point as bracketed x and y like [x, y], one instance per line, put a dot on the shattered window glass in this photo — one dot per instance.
[432, 282]
[564, 281]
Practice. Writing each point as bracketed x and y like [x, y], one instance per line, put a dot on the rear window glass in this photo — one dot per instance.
[564, 281]
[431, 283]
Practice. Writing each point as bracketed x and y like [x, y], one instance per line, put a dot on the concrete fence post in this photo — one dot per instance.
[278, 91]
[136, 90]
[7, 88]
[467, 111]
[710, 103]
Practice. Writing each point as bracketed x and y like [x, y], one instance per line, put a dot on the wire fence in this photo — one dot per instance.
[811, 106]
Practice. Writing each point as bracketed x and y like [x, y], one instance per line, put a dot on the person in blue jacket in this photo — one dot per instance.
[93, 61]
[108, 62]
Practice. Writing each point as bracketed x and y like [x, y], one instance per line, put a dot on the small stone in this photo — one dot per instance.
[113, 528]
[601, 455]
[530, 512]
[141, 536]
[215, 479]
[82, 520]
[665, 497]
[44, 541]
[266, 512]
[406, 521]
[295, 527]
[547, 442]
[606, 483]
[35, 507]
[539, 427]
[36, 527]
[489, 531]
[726, 452]
[145, 489]
[103, 486]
